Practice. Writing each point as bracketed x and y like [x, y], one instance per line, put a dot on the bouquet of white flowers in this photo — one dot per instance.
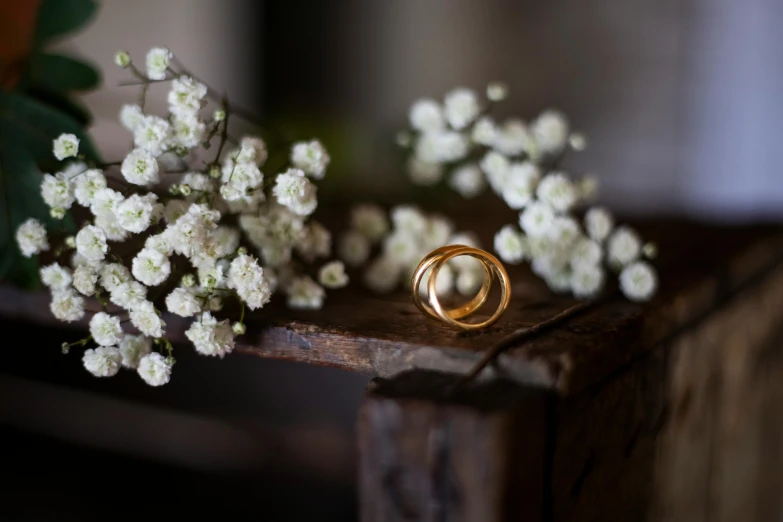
[174, 222]
[522, 163]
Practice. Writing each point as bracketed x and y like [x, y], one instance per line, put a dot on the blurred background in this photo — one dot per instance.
[680, 103]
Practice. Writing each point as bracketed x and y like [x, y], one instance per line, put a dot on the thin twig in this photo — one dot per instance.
[522, 334]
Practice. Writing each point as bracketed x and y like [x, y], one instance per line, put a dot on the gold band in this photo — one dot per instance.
[435, 260]
[462, 311]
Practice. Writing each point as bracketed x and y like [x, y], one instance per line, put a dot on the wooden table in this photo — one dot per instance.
[669, 410]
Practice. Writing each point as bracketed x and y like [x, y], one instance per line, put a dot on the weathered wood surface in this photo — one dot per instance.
[690, 430]
[475, 455]
[384, 335]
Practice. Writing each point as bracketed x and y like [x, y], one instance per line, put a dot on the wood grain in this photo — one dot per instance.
[476, 455]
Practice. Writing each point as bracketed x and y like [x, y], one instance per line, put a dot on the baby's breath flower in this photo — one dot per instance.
[426, 115]
[304, 293]
[185, 96]
[550, 131]
[587, 281]
[497, 91]
[56, 191]
[400, 246]
[311, 157]
[467, 180]
[332, 275]
[113, 275]
[461, 107]
[67, 306]
[485, 132]
[409, 219]
[66, 146]
[293, 190]
[154, 369]
[134, 214]
[131, 116]
[91, 243]
[140, 168]
[129, 295]
[56, 277]
[158, 63]
[102, 361]
[557, 191]
[153, 134]
[354, 248]
[537, 219]
[623, 247]
[183, 303]
[598, 223]
[520, 184]
[151, 267]
[577, 141]
[86, 184]
[31, 237]
[638, 281]
[85, 278]
[210, 336]
[513, 138]
[496, 166]
[146, 319]
[122, 59]
[105, 329]
[511, 245]
[442, 147]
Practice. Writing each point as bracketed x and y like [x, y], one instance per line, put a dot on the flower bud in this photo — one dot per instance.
[215, 304]
[214, 172]
[208, 282]
[174, 190]
[70, 242]
[220, 115]
[241, 251]
[65, 348]
[57, 212]
[122, 59]
[185, 189]
[497, 91]
[239, 328]
[577, 141]
[650, 250]
[188, 280]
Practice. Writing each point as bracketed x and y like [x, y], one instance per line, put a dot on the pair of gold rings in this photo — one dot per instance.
[434, 261]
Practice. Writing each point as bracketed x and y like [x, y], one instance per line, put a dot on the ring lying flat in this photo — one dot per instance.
[435, 261]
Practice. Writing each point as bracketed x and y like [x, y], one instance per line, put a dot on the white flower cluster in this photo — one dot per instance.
[163, 212]
[404, 239]
[519, 161]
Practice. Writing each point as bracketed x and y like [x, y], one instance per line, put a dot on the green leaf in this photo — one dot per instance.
[59, 17]
[37, 125]
[57, 73]
[62, 103]
[20, 199]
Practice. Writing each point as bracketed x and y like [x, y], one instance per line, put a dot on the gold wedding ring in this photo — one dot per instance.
[434, 261]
